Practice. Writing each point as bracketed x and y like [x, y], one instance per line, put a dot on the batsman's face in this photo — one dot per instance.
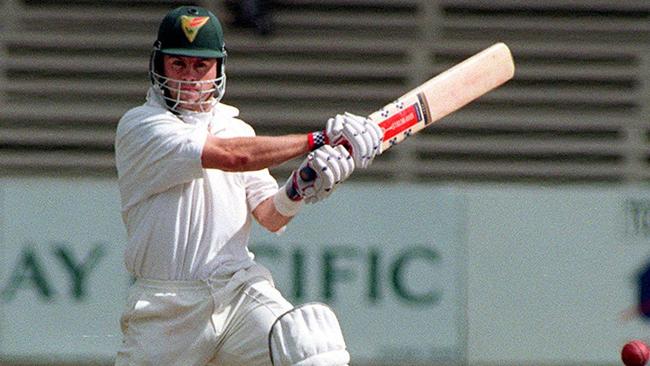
[195, 79]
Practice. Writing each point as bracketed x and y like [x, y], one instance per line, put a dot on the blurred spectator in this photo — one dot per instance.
[255, 14]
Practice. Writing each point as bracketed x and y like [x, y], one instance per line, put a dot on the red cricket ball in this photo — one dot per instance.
[635, 353]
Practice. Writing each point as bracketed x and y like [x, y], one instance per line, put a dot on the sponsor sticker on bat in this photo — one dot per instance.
[405, 119]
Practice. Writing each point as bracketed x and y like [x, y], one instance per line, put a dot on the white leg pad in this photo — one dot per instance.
[308, 335]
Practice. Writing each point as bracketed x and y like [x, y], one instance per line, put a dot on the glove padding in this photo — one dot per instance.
[362, 135]
[319, 174]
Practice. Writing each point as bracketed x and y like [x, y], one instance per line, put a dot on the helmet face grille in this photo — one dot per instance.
[197, 96]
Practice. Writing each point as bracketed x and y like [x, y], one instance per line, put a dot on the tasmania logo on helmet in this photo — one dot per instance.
[192, 25]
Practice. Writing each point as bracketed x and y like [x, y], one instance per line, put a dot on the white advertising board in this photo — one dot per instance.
[503, 275]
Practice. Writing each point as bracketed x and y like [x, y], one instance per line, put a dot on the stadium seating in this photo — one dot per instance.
[577, 110]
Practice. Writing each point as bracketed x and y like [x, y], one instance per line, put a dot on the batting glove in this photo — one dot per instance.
[319, 173]
[362, 136]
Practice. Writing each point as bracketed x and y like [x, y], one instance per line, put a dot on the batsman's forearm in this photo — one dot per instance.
[252, 153]
[268, 216]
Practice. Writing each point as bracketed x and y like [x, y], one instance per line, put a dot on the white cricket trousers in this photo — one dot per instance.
[223, 321]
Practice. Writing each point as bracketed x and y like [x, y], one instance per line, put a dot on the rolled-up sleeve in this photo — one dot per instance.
[260, 185]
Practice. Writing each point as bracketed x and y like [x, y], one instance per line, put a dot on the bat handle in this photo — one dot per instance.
[307, 174]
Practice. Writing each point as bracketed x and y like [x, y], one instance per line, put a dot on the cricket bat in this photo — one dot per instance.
[440, 96]
[444, 94]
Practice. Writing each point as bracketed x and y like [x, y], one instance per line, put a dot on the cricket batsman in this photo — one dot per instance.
[192, 178]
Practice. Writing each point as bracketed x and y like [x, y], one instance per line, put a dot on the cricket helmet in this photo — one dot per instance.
[194, 32]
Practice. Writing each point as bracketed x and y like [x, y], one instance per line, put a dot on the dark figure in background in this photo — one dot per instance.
[251, 14]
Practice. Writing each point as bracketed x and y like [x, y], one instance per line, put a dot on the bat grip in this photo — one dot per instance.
[307, 174]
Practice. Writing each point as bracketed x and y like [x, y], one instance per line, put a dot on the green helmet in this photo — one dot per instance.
[194, 32]
[191, 31]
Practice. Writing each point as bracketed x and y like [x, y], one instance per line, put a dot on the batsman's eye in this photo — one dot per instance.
[178, 65]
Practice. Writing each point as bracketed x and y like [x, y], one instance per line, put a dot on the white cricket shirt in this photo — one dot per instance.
[184, 222]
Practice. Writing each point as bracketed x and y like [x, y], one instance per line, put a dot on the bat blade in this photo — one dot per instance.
[444, 94]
